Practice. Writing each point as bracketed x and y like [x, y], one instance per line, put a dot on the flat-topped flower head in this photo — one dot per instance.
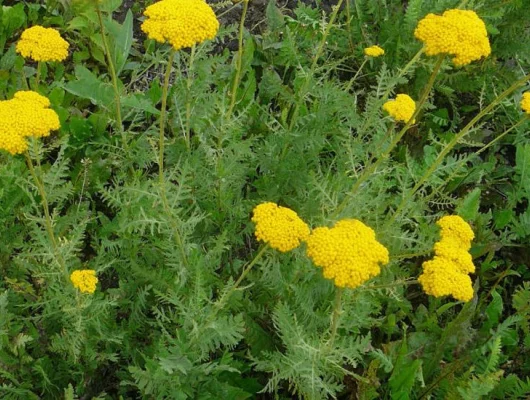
[42, 44]
[447, 273]
[27, 114]
[374, 51]
[459, 33]
[182, 23]
[525, 102]
[85, 280]
[402, 108]
[279, 227]
[348, 253]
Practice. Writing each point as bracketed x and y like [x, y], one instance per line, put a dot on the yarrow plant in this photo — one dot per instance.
[374, 51]
[448, 272]
[85, 280]
[348, 253]
[459, 33]
[28, 114]
[42, 44]
[280, 227]
[401, 109]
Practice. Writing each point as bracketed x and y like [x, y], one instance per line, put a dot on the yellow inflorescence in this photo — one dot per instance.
[27, 114]
[525, 102]
[278, 226]
[348, 253]
[374, 51]
[42, 44]
[182, 23]
[460, 33]
[85, 280]
[401, 109]
[448, 272]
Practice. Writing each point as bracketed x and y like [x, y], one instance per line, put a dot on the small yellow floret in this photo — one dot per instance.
[182, 23]
[525, 102]
[85, 280]
[455, 226]
[27, 114]
[348, 253]
[278, 226]
[401, 109]
[460, 33]
[42, 44]
[374, 51]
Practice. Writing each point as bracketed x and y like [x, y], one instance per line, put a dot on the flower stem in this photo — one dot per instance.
[113, 76]
[189, 81]
[239, 60]
[373, 166]
[47, 220]
[318, 54]
[449, 146]
[224, 298]
[337, 311]
[161, 138]
[352, 80]
[37, 76]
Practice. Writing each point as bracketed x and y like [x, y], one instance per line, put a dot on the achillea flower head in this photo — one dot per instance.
[401, 109]
[27, 114]
[42, 44]
[459, 33]
[525, 102]
[85, 280]
[348, 253]
[448, 272]
[182, 23]
[374, 51]
[278, 226]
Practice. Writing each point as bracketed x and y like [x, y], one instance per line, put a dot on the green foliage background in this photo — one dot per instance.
[161, 324]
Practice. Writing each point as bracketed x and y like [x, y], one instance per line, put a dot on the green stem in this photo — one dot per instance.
[224, 298]
[337, 311]
[189, 82]
[373, 166]
[47, 220]
[352, 80]
[161, 138]
[318, 54]
[113, 76]
[452, 144]
[239, 60]
[37, 77]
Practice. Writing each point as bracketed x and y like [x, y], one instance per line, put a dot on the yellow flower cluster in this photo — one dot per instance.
[525, 102]
[348, 253]
[460, 33]
[42, 44]
[448, 272]
[374, 51]
[278, 226]
[182, 23]
[401, 109]
[85, 280]
[27, 114]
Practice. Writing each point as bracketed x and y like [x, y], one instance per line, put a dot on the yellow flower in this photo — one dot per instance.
[348, 253]
[280, 227]
[460, 33]
[182, 23]
[42, 44]
[401, 109]
[454, 226]
[374, 51]
[27, 114]
[85, 280]
[447, 273]
[525, 102]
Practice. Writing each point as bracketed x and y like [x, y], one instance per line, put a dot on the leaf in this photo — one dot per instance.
[403, 375]
[139, 101]
[522, 167]
[122, 36]
[469, 206]
[88, 86]
[493, 311]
